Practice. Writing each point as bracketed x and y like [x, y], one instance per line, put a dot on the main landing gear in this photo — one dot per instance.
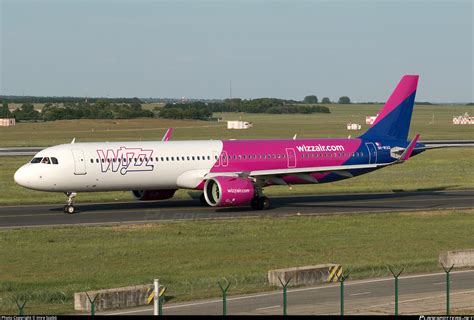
[260, 202]
[69, 207]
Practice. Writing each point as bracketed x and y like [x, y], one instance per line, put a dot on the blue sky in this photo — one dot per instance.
[285, 49]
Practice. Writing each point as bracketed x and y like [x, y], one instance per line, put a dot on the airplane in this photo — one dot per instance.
[229, 173]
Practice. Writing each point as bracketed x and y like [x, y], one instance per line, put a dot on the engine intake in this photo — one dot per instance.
[148, 195]
[228, 191]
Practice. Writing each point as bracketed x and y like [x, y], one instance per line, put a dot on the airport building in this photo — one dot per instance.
[6, 122]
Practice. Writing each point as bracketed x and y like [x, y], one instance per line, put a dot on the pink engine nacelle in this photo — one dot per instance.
[149, 195]
[228, 191]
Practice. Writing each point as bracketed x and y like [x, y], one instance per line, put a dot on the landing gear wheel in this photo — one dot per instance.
[254, 203]
[263, 203]
[203, 201]
[69, 209]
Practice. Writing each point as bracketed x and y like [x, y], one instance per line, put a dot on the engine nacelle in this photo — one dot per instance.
[148, 195]
[228, 191]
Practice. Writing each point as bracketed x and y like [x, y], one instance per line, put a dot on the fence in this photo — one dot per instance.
[302, 298]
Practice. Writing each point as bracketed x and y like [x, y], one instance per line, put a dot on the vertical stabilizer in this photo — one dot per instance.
[393, 121]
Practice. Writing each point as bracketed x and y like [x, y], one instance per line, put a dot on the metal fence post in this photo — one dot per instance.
[156, 298]
[224, 296]
[92, 302]
[447, 270]
[285, 286]
[341, 279]
[161, 301]
[396, 275]
[20, 306]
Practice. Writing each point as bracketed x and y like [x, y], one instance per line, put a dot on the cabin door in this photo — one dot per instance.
[79, 162]
[291, 157]
[372, 152]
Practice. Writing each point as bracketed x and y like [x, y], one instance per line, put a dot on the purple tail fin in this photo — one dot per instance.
[393, 121]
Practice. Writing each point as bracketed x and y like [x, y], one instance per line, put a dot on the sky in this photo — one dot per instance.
[199, 49]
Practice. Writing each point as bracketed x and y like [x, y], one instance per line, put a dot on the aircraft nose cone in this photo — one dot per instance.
[21, 177]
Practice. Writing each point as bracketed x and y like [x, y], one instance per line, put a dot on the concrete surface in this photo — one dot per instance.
[125, 297]
[458, 258]
[298, 276]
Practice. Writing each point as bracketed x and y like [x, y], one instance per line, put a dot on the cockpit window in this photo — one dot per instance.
[45, 160]
[36, 160]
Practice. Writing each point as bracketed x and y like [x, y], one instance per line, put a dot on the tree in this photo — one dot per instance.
[344, 100]
[26, 112]
[4, 111]
[326, 100]
[310, 99]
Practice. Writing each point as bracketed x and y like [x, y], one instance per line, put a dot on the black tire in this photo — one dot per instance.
[69, 209]
[203, 201]
[254, 203]
[263, 203]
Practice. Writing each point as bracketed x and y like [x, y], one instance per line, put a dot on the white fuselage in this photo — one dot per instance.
[124, 166]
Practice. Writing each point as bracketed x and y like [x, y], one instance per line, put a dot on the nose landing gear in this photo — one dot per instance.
[69, 207]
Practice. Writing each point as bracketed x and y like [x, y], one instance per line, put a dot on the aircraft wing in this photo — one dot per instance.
[275, 175]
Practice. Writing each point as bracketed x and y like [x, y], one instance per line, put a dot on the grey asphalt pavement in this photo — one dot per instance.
[172, 210]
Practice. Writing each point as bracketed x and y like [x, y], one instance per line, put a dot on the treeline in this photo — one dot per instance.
[57, 100]
[262, 105]
[195, 113]
[101, 110]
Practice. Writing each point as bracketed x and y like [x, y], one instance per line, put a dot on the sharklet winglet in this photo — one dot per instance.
[408, 151]
[167, 135]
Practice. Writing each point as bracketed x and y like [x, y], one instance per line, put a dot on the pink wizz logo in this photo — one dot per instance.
[125, 160]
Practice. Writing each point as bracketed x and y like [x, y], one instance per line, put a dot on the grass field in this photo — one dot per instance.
[265, 126]
[49, 265]
[438, 169]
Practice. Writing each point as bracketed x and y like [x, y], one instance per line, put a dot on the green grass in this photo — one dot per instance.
[49, 265]
[438, 169]
[265, 126]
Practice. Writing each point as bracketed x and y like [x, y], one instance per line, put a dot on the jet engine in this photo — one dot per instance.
[228, 191]
[148, 195]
